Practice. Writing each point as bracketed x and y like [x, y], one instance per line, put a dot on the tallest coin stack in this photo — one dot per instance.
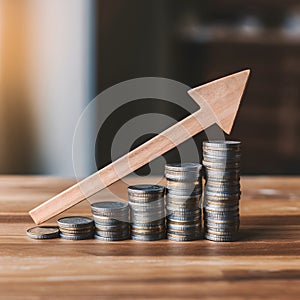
[221, 160]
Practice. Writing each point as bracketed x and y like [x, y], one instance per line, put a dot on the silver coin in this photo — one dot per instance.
[183, 167]
[148, 189]
[181, 209]
[174, 207]
[221, 194]
[224, 184]
[216, 173]
[227, 162]
[233, 167]
[111, 214]
[221, 219]
[216, 208]
[224, 162]
[186, 205]
[149, 220]
[217, 238]
[146, 210]
[112, 239]
[148, 238]
[43, 232]
[226, 192]
[220, 203]
[109, 206]
[222, 144]
[221, 199]
[76, 237]
[110, 221]
[183, 218]
[184, 192]
[158, 214]
[177, 238]
[222, 227]
[222, 190]
[221, 178]
[105, 233]
[148, 213]
[171, 184]
[147, 232]
[112, 233]
[157, 203]
[217, 223]
[152, 223]
[181, 177]
[187, 213]
[112, 228]
[231, 228]
[183, 227]
[221, 223]
[220, 210]
[224, 232]
[221, 215]
[219, 232]
[222, 167]
[182, 198]
[74, 222]
[145, 198]
[183, 174]
[219, 153]
[222, 153]
[76, 231]
[185, 232]
[148, 228]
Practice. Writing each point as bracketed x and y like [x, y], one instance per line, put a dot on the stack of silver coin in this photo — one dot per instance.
[147, 212]
[111, 220]
[76, 228]
[184, 190]
[221, 160]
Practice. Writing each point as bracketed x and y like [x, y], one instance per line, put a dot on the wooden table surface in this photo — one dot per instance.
[265, 263]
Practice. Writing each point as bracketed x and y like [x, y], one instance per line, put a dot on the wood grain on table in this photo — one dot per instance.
[265, 263]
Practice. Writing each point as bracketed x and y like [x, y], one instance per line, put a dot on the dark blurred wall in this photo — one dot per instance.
[132, 40]
[195, 42]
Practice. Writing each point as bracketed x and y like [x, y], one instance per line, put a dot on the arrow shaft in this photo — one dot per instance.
[158, 145]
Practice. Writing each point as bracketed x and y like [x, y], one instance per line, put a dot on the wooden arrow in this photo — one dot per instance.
[219, 101]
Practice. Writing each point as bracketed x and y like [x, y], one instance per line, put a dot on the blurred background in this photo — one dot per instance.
[57, 55]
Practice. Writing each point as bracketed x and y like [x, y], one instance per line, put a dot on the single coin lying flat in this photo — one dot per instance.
[43, 232]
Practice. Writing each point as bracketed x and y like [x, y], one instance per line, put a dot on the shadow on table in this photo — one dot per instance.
[258, 235]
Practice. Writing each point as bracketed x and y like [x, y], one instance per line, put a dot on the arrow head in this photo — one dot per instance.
[221, 98]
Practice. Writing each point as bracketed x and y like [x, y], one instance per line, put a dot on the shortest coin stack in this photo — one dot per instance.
[184, 189]
[222, 190]
[111, 220]
[43, 232]
[76, 228]
[147, 210]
